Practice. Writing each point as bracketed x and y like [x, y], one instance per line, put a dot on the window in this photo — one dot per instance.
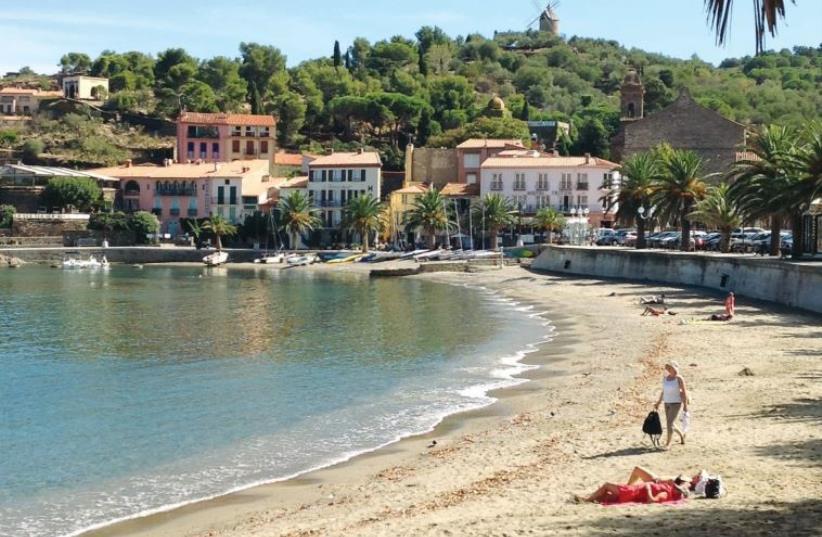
[232, 196]
[405, 199]
[325, 175]
[565, 182]
[249, 148]
[190, 151]
[264, 147]
[362, 176]
[311, 176]
[582, 201]
[220, 195]
[582, 181]
[215, 151]
[175, 207]
[192, 208]
[249, 131]
[608, 180]
[264, 132]
[203, 150]
[350, 175]
[519, 202]
[236, 131]
[471, 178]
[496, 181]
[542, 181]
[235, 146]
[519, 181]
[471, 160]
[543, 201]
[232, 214]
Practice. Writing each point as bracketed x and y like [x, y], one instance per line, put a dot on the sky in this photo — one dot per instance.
[37, 34]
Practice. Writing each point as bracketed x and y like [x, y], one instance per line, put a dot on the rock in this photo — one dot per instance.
[746, 372]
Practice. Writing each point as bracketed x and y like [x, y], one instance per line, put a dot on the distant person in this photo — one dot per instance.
[730, 309]
[656, 299]
[642, 487]
[675, 396]
[650, 310]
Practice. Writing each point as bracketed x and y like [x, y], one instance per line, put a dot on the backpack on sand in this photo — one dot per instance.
[653, 427]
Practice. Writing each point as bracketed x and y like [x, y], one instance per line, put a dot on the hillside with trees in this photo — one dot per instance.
[434, 89]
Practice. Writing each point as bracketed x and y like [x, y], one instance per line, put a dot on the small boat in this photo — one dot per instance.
[271, 259]
[429, 255]
[414, 254]
[91, 262]
[216, 259]
[346, 259]
[382, 257]
[301, 260]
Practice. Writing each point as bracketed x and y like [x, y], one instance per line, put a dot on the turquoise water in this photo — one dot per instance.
[129, 391]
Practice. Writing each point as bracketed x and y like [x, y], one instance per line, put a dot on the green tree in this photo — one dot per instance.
[260, 64]
[550, 220]
[720, 211]
[429, 214]
[364, 215]
[80, 193]
[144, 224]
[758, 183]
[679, 188]
[337, 55]
[424, 128]
[223, 76]
[219, 227]
[198, 96]
[639, 176]
[291, 109]
[75, 62]
[297, 216]
[593, 138]
[32, 150]
[492, 214]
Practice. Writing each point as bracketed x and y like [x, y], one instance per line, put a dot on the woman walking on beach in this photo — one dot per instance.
[675, 396]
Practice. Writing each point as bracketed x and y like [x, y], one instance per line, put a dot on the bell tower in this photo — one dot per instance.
[632, 94]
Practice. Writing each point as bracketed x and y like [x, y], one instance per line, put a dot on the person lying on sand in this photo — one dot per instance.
[657, 312]
[642, 487]
[652, 299]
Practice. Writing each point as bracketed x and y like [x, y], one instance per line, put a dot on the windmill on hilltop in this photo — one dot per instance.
[547, 18]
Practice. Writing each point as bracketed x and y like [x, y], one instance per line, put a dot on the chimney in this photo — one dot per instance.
[587, 158]
[216, 166]
[360, 151]
[128, 163]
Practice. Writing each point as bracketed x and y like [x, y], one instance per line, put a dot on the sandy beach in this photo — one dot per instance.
[511, 468]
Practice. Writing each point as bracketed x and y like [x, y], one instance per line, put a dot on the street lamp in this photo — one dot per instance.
[578, 226]
[642, 218]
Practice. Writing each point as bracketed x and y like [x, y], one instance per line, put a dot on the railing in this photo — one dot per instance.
[174, 212]
[565, 186]
[328, 203]
[192, 213]
[496, 186]
[541, 186]
[519, 187]
[582, 186]
[188, 191]
[51, 216]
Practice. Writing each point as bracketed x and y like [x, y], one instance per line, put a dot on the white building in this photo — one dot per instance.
[85, 88]
[534, 180]
[335, 179]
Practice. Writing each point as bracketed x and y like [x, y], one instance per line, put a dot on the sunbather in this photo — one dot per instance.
[657, 312]
[652, 299]
[642, 487]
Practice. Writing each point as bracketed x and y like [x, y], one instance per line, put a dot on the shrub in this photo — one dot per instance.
[6, 215]
[78, 192]
[8, 138]
[32, 150]
[110, 222]
[144, 223]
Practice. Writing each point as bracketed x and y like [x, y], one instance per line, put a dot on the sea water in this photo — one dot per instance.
[131, 391]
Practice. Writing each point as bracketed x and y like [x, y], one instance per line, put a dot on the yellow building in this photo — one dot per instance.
[400, 202]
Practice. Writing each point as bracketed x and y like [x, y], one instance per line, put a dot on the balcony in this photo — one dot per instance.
[496, 187]
[174, 212]
[519, 187]
[582, 186]
[192, 213]
[542, 187]
[171, 190]
[565, 186]
[328, 203]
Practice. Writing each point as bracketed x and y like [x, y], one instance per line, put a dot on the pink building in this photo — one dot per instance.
[175, 191]
[472, 153]
[225, 137]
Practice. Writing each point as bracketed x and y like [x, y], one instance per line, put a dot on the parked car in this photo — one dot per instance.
[629, 239]
[606, 237]
[622, 234]
[712, 241]
[670, 240]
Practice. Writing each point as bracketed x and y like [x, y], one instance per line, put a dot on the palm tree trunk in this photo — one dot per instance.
[776, 230]
[364, 234]
[219, 242]
[494, 239]
[432, 240]
[293, 240]
[725, 242]
[796, 227]
[550, 235]
[685, 242]
[640, 234]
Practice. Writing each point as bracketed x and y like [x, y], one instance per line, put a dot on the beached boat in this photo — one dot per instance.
[271, 259]
[429, 255]
[215, 259]
[414, 254]
[90, 263]
[382, 257]
[346, 259]
[301, 260]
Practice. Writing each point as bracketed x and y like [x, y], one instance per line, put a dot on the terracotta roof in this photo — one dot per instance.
[237, 168]
[296, 182]
[460, 190]
[228, 119]
[366, 158]
[28, 91]
[518, 153]
[416, 188]
[288, 159]
[480, 143]
[547, 162]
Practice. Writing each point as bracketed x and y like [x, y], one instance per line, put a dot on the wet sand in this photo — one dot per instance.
[510, 469]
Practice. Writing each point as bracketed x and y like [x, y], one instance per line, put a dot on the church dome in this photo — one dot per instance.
[496, 104]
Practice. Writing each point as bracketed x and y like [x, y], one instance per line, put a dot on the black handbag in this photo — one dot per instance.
[653, 427]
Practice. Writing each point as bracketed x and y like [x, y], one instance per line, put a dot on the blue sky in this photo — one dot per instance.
[38, 34]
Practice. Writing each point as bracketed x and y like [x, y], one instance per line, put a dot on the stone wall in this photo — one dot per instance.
[433, 165]
[685, 125]
[47, 227]
[127, 255]
[791, 284]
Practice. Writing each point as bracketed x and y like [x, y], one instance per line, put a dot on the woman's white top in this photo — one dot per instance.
[670, 390]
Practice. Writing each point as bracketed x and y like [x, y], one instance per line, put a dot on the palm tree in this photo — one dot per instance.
[550, 220]
[719, 210]
[640, 173]
[759, 183]
[364, 215]
[297, 216]
[678, 189]
[429, 213]
[766, 16]
[220, 227]
[493, 213]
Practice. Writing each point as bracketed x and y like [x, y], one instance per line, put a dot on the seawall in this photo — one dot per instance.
[792, 284]
[128, 255]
